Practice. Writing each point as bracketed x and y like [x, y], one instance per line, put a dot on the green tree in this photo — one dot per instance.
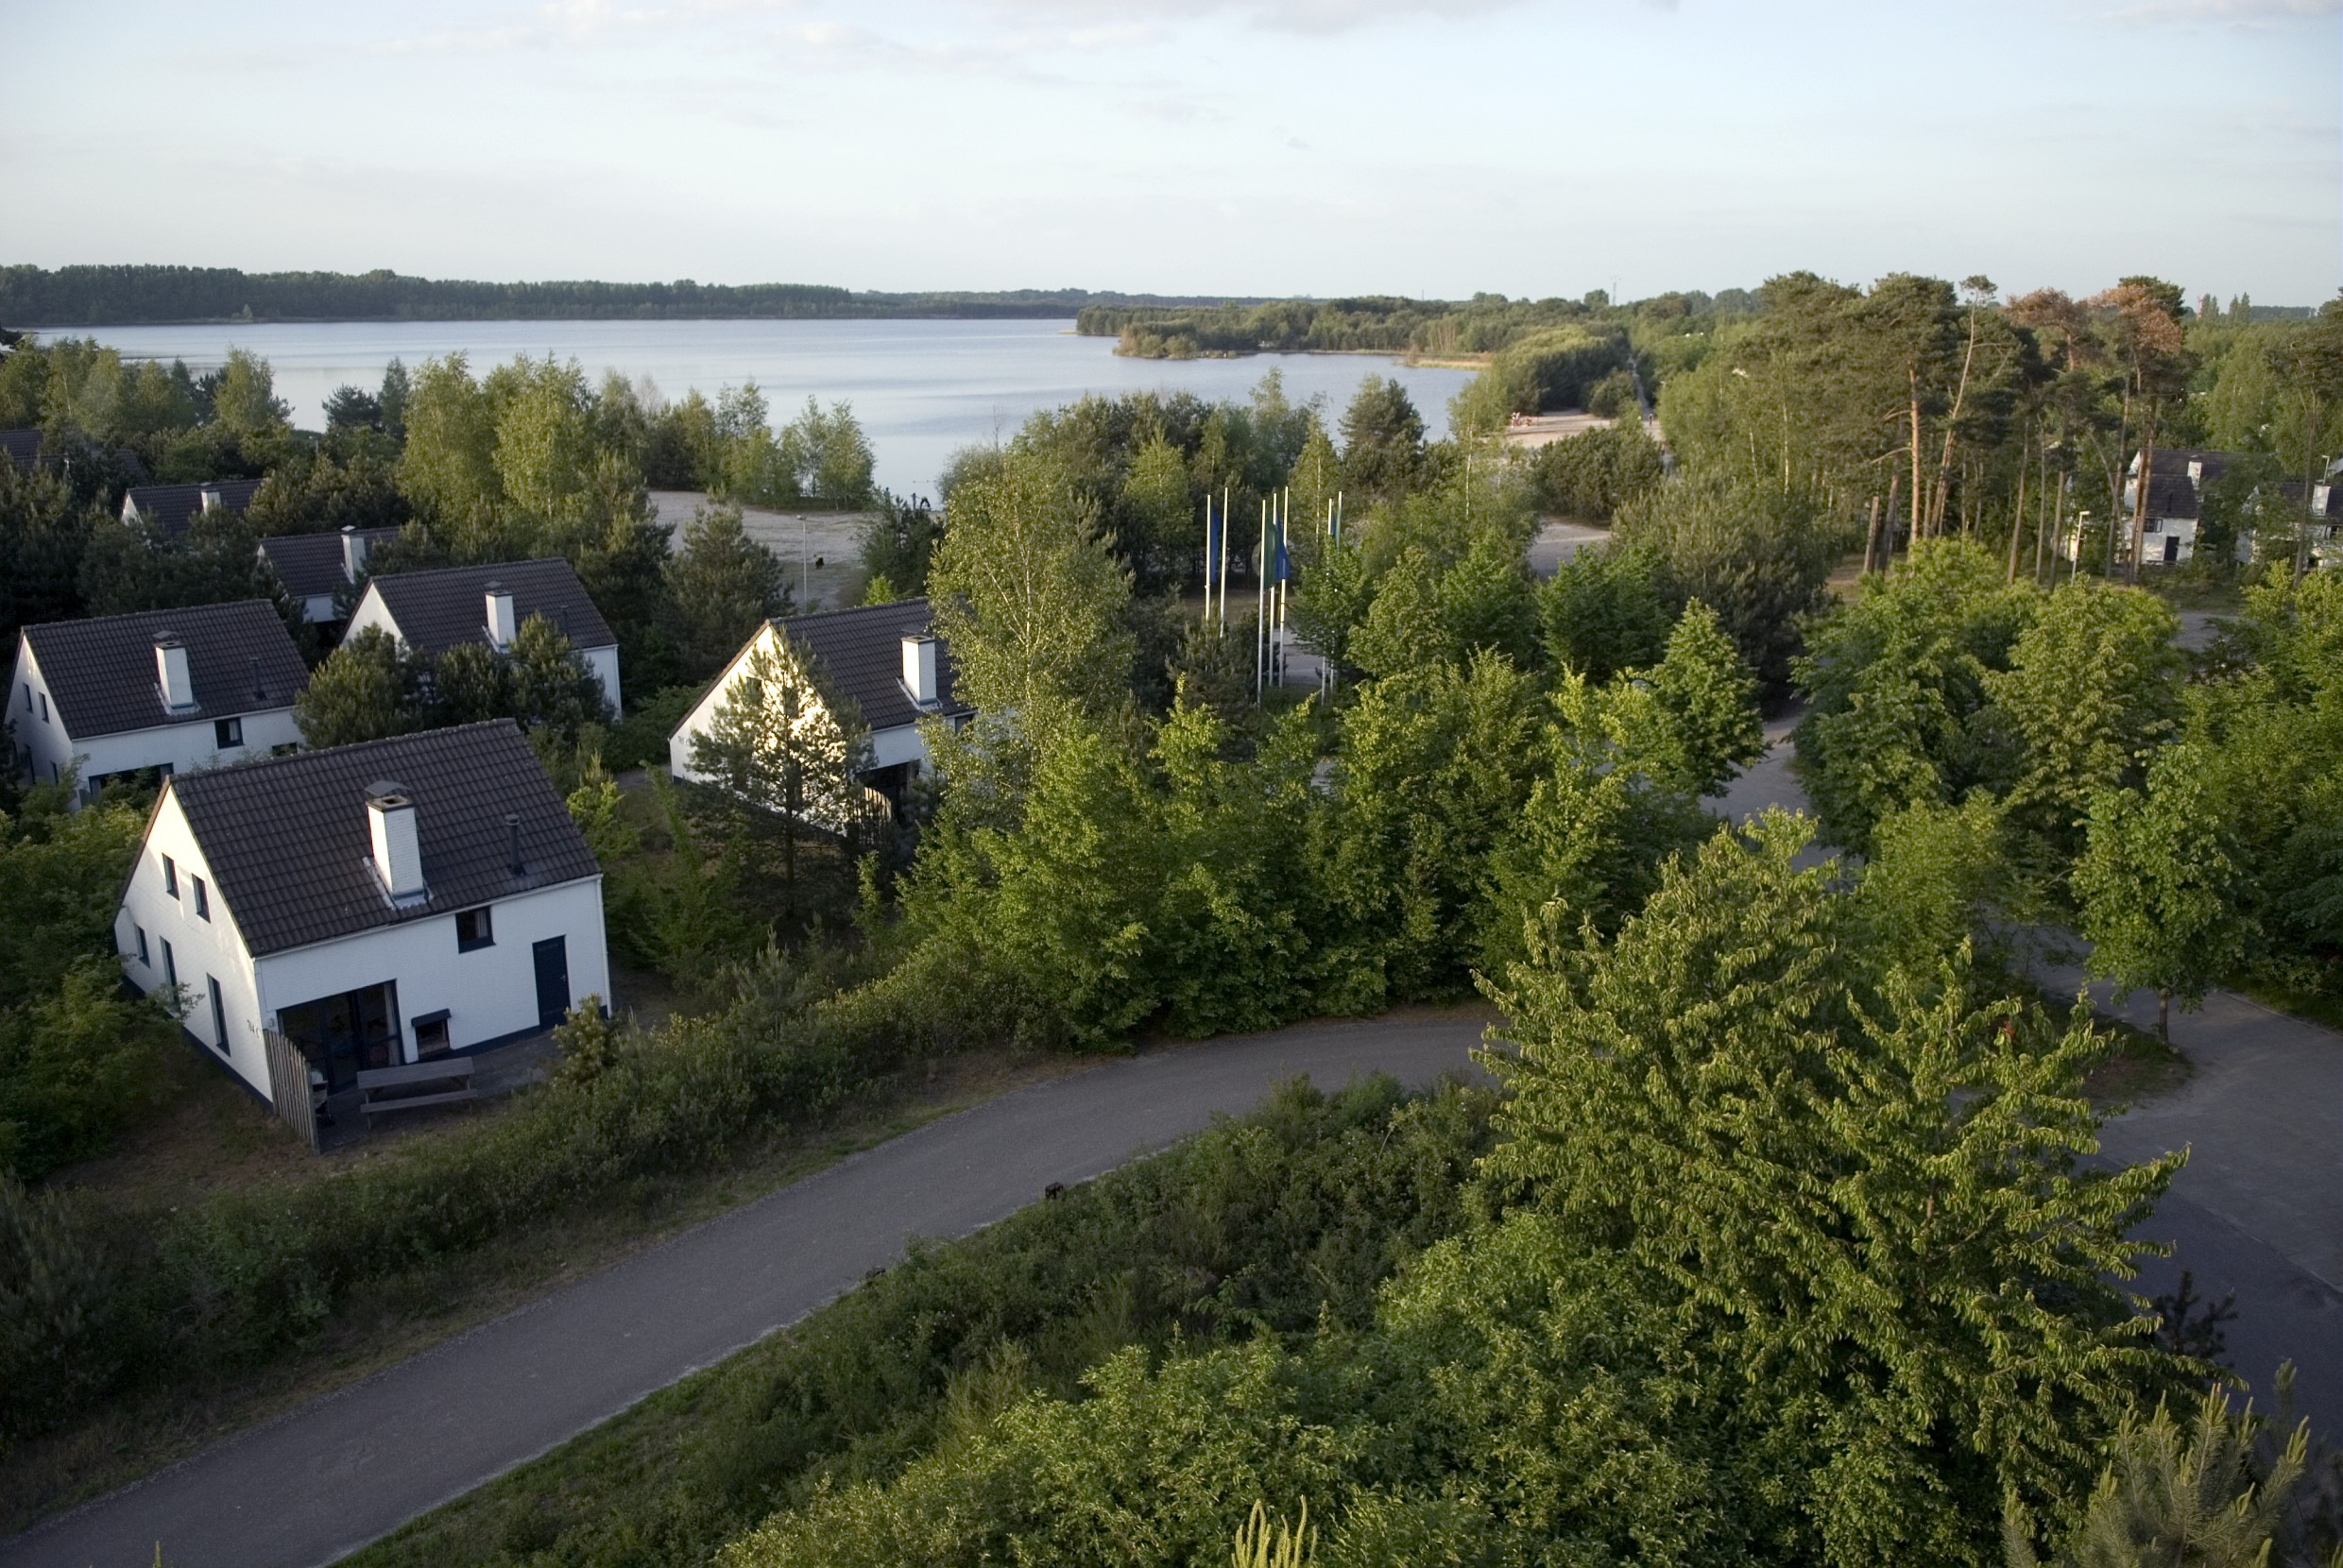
[1157, 528]
[549, 683]
[1601, 612]
[1709, 699]
[2158, 885]
[1862, 1187]
[1404, 629]
[364, 691]
[2091, 690]
[1382, 440]
[448, 468]
[1757, 558]
[1488, 602]
[721, 586]
[1029, 598]
[1434, 765]
[784, 744]
[2212, 1494]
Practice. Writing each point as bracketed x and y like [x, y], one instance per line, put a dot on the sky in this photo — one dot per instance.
[1431, 147]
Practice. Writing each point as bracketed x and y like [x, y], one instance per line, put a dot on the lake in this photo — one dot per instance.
[921, 390]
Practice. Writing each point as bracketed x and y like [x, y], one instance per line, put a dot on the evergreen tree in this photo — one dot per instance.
[366, 690]
[720, 588]
[783, 745]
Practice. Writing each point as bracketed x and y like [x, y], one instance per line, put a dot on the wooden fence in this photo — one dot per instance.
[288, 1087]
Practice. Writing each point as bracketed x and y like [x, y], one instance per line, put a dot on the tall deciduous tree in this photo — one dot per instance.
[2158, 885]
[1029, 598]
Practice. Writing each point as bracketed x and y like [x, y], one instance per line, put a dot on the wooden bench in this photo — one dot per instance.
[456, 1071]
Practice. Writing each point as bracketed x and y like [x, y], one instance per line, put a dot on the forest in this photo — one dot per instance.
[1777, 1236]
[126, 295]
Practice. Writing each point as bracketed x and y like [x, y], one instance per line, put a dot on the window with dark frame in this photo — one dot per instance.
[203, 902]
[228, 732]
[219, 1018]
[170, 876]
[473, 929]
[44, 708]
[170, 971]
[141, 947]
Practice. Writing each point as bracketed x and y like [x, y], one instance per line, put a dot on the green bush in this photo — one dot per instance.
[1290, 1216]
[221, 1285]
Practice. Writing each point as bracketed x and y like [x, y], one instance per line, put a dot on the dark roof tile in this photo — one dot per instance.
[102, 672]
[311, 564]
[169, 509]
[291, 851]
[861, 652]
[435, 610]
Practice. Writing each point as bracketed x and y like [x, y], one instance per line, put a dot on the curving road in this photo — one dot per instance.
[2259, 1209]
[326, 1479]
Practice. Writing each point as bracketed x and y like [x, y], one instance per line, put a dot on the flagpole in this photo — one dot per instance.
[1223, 577]
[1260, 609]
[1207, 557]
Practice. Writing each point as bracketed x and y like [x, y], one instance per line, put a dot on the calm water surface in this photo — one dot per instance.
[921, 389]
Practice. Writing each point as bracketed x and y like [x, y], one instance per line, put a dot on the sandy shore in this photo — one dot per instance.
[800, 538]
[1536, 429]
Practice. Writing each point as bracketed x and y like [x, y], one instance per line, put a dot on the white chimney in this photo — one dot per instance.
[171, 677]
[353, 552]
[398, 852]
[500, 623]
[919, 670]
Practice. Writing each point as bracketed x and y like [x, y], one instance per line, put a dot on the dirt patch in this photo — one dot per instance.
[800, 539]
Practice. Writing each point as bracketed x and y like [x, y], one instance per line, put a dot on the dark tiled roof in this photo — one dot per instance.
[309, 564]
[2175, 460]
[2171, 495]
[22, 446]
[291, 851]
[169, 509]
[102, 672]
[861, 652]
[435, 610]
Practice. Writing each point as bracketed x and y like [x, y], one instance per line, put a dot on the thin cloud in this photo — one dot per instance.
[1293, 16]
[2243, 14]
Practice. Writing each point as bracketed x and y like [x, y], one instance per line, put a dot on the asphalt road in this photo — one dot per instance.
[325, 1479]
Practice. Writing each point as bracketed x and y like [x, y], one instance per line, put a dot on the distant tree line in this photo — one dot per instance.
[1481, 325]
[92, 296]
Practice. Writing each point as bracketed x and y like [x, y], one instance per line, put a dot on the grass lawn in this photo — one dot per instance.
[2318, 1006]
[213, 1135]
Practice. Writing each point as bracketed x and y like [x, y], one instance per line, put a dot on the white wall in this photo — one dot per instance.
[185, 746]
[372, 611]
[489, 993]
[603, 663]
[200, 947]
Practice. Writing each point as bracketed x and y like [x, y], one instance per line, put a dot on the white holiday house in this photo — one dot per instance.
[378, 904]
[317, 570]
[881, 659]
[172, 509]
[160, 691]
[433, 611]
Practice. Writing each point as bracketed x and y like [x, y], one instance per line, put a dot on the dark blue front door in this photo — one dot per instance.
[553, 979]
